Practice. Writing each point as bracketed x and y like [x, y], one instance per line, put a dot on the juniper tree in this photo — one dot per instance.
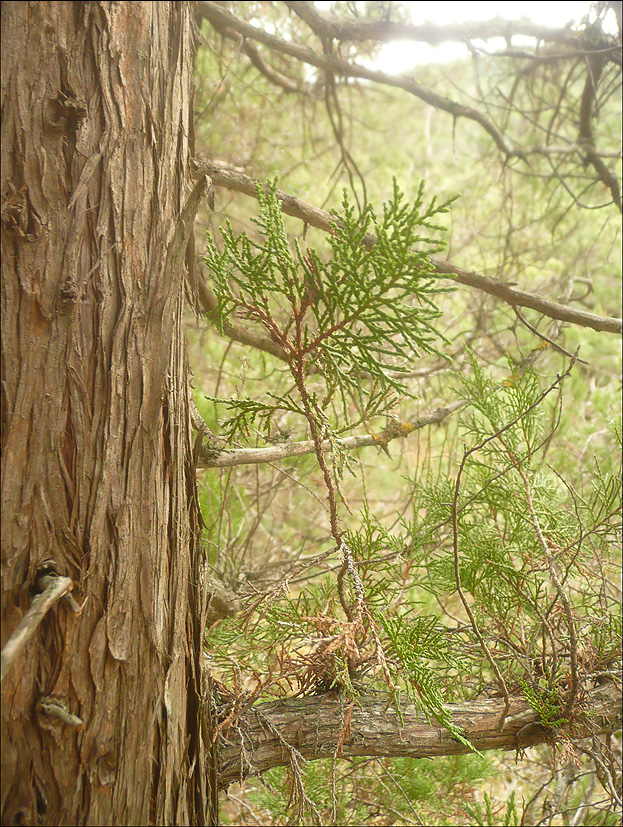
[479, 577]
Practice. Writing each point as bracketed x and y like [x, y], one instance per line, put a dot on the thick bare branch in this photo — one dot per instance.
[216, 14]
[521, 298]
[212, 458]
[224, 176]
[384, 31]
[313, 726]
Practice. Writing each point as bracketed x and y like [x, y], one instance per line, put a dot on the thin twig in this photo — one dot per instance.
[455, 535]
[573, 638]
[545, 338]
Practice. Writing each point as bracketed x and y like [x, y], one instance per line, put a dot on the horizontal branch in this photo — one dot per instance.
[213, 458]
[313, 726]
[521, 298]
[224, 176]
[385, 31]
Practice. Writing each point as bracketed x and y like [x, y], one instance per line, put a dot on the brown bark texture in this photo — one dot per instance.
[277, 733]
[101, 710]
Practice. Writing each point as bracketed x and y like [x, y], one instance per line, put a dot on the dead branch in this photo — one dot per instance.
[314, 725]
[212, 458]
[217, 14]
[53, 589]
[275, 77]
[386, 31]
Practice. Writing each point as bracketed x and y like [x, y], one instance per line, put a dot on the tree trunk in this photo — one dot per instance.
[102, 709]
[274, 734]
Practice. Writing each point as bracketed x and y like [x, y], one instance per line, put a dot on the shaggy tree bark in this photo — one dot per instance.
[101, 709]
[277, 733]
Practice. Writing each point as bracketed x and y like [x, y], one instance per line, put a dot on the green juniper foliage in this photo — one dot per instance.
[489, 819]
[412, 645]
[502, 564]
[358, 318]
[501, 567]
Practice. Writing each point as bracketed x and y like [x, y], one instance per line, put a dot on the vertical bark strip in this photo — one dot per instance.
[97, 470]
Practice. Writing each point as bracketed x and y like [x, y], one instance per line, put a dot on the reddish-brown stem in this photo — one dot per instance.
[297, 368]
[298, 372]
[267, 321]
[325, 335]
